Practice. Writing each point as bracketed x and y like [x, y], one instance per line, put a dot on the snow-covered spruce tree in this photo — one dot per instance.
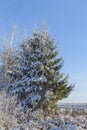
[40, 84]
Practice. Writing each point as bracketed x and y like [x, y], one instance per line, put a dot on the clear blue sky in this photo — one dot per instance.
[66, 20]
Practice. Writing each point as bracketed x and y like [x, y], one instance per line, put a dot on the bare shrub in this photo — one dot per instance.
[10, 112]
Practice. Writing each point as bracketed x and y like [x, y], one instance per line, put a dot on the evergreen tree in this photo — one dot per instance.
[39, 82]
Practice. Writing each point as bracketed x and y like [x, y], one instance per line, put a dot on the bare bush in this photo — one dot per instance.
[10, 112]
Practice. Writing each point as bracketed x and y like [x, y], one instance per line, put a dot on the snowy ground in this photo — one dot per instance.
[75, 114]
[69, 117]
